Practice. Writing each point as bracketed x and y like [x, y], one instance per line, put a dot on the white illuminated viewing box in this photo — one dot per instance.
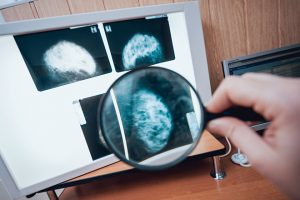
[54, 71]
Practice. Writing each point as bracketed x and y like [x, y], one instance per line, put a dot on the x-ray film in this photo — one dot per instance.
[59, 57]
[139, 42]
[152, 121]
[89, 107]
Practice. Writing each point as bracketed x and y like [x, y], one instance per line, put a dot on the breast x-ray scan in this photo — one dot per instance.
[145, 101]
[90, 130]
[139, 42]
[59, 57]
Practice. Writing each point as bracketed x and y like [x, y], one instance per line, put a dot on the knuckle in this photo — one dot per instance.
[230, 82]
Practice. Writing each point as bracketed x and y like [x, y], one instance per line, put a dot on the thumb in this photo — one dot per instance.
[243, 137]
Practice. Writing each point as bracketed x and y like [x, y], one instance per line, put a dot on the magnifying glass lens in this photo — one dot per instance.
[151, 118]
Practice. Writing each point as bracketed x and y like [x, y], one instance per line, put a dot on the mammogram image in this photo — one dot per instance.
[139, 42]
[59, 57]
[153, 112]
[89, 107]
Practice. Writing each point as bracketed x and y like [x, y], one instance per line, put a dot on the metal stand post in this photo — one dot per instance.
[217, 171]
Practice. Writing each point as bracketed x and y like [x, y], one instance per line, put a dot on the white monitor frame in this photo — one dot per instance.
[198, 54]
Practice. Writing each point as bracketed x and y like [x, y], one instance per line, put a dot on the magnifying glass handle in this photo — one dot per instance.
[242, 113]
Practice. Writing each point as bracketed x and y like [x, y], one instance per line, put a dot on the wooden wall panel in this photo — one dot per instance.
[20, 12]
[261, 25]
[117, 4]
[46, 8]
[208, 39]
[228, 33]
[154, 2]
[34, 11]
[289, 22]
[81, 6]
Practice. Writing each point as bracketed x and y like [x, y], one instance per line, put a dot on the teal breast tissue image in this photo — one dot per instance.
[152, 119]
[59, 57]
[153, 110]
[139, 42]
[143, 49]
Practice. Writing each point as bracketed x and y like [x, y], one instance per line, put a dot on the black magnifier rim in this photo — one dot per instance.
[122, 157]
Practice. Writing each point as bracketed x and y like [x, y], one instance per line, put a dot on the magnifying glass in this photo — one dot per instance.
[152, 118]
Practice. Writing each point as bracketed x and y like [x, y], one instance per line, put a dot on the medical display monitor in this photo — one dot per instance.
[55, 71]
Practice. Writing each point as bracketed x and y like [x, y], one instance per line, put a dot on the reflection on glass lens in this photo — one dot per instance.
[151, 117]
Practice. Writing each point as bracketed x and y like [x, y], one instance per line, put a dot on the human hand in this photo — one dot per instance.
[275, 154]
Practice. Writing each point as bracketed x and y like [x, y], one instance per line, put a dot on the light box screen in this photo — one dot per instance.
[51, 83]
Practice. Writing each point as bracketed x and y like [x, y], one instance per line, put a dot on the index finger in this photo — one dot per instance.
[240, 91]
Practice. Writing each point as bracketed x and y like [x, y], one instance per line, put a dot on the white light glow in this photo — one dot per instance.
[67, 56]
